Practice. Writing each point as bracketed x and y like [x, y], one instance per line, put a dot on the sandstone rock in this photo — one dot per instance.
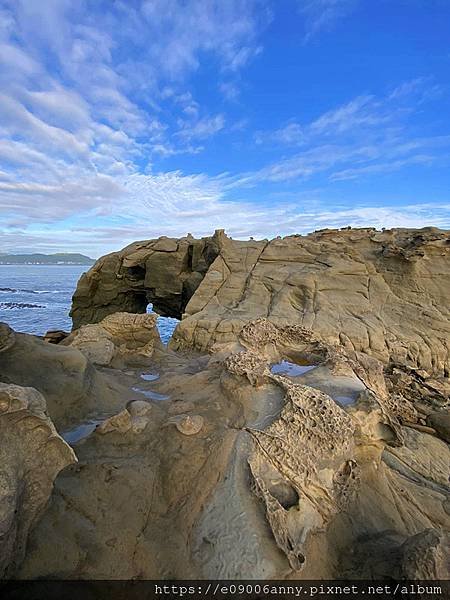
[120, 423]
[322, 473]
[70, 384]
[117, 337]
[351, 286]
[424, 556]
[187, 424]
[134, 418]
[331, 490]
[55, 336]
[440, 421]
[7, 337]
[164, 272]
[31, 455]
[139, 408]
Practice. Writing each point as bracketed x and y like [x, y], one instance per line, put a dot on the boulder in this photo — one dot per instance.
[7, 337]
[31, 456]
[117, 337]
[70, 383]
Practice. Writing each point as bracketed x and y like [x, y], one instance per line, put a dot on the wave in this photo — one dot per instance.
[8, 290]
[16, 305]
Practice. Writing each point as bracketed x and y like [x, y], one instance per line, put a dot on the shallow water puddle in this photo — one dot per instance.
[81, 431]
[345, 400]
[291, 369]
[150, 394]
[343, 390]
[150, 376]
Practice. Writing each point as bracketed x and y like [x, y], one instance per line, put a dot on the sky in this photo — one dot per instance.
[124, 120]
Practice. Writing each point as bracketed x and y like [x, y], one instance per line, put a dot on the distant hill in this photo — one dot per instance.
[46, 259]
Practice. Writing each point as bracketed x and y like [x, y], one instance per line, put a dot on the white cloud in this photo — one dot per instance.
[366, 136]
[23, 204]
[291, 134]
[175, 205]
[322, 15]
[77, 118]
[93, 97]
[362, 111]
[381, 167]
[229, 89]
[18, 121]
[202, 128]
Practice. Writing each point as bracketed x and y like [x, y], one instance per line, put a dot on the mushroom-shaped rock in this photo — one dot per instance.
[120, 423]
[139, 408]
[187, 424]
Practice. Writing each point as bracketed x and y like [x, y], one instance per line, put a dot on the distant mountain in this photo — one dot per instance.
[46, 259]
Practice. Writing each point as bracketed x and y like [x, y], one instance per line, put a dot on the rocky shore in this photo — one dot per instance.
[296, 427]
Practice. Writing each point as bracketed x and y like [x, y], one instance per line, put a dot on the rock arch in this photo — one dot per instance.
[165, 272]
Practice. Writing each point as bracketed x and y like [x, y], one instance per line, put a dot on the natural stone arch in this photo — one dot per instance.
[163, 272]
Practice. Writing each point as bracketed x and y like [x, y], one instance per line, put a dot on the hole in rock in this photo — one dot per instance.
[284, 493]
[166, 325]
[290, 369]
[136, 273]
[151, 394]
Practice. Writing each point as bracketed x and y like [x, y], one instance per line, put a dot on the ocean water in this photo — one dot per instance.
[36, 298]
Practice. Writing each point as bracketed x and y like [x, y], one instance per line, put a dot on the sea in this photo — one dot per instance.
[37, 298]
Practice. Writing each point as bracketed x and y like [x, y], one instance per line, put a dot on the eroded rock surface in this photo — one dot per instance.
[31, 456]
[267, 475]
[296, 427]
[117, 339]
[353, 287]
[165, 272]
[71, 385]
[328, 473]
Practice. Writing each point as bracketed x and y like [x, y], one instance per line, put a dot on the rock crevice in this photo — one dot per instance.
[352, 287]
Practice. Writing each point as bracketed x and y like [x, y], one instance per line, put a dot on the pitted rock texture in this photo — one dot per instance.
[313, 436]
[31, 456]
[117, 337]
[352, 287]
[243, 473]
[235, 468]
[309, 465]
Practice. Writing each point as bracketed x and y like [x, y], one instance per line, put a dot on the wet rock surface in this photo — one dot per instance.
[295, 428]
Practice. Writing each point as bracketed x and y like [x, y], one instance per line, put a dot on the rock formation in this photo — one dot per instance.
[296, 427]
[71, 385]
[165, 272]
[117, 338]
[31, 456]
[353, 287]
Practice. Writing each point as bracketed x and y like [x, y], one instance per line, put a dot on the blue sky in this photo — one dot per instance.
[124, 120]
